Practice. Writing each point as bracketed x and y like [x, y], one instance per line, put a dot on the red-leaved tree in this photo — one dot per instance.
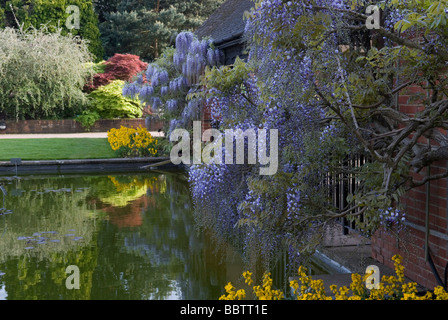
[119, 67]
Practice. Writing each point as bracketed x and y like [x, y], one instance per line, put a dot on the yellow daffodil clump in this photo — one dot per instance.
[132, 142]
[305, 288]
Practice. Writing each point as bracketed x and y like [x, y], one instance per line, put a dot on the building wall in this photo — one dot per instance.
[410, 243]
[231, 52]
[72, 126]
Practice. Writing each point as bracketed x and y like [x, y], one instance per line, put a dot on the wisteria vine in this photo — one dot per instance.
[165, 84]
[322, 79]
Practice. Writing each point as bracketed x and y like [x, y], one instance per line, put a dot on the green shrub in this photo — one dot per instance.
[88, 119]
[99, 67]
[109, 103]
[45, 81]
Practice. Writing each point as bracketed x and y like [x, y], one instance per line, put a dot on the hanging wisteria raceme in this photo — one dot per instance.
[145, 93]
[183, 42]
[150, 71]
[164, 91]
[172, 105]
[168, 81]
[131, 90]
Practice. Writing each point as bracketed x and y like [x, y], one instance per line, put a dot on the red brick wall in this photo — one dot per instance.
[206, 118]
[410, 243]
[72, 126]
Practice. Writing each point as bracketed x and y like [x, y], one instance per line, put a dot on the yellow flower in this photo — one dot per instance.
[132, 141]
[248, 277]
[390, 287]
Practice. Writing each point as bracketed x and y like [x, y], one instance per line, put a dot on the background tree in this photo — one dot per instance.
[146, 27]
[45, 82]
[53, 13]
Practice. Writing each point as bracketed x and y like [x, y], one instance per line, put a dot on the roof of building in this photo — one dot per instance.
[227, 22]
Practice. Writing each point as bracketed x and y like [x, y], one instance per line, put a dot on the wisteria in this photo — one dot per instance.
[306, 74]
[165, 84]
[268, 217]
[392, 216]
[327, 84]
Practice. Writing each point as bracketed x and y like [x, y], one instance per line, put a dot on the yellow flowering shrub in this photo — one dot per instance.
[132, 142]
[264, 292]
[232, 294]
[306, 288]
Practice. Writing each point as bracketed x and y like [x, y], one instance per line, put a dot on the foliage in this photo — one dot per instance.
[147, 27]
[131, 142]
[52, 14]
[328, 85]
[88, 119]
[168, 84]
[45, 82]
[306, 288]
[109, 102]
[124, 66]
[119, 67]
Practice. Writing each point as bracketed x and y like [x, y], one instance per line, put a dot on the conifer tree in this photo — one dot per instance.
[145, 27]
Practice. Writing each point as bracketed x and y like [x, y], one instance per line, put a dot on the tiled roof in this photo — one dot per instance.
[226, 22]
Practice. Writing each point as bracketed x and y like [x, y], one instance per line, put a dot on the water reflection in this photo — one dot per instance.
[132, 237]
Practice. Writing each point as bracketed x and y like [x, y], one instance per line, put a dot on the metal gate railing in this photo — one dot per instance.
[343, 183]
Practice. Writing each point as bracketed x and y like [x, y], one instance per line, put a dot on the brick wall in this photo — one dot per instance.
[206, 118]
[72, 126]
[411, 242]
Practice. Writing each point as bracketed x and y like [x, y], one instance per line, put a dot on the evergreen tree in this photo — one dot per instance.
[102, 7]
[145, 27]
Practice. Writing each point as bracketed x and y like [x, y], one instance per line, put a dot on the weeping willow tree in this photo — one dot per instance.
[42, 74]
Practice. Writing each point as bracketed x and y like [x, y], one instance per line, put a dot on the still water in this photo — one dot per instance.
[132, 236]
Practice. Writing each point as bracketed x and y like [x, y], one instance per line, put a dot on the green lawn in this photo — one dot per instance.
[55, 149]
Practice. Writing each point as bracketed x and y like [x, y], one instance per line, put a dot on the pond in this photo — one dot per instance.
[131, 236]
